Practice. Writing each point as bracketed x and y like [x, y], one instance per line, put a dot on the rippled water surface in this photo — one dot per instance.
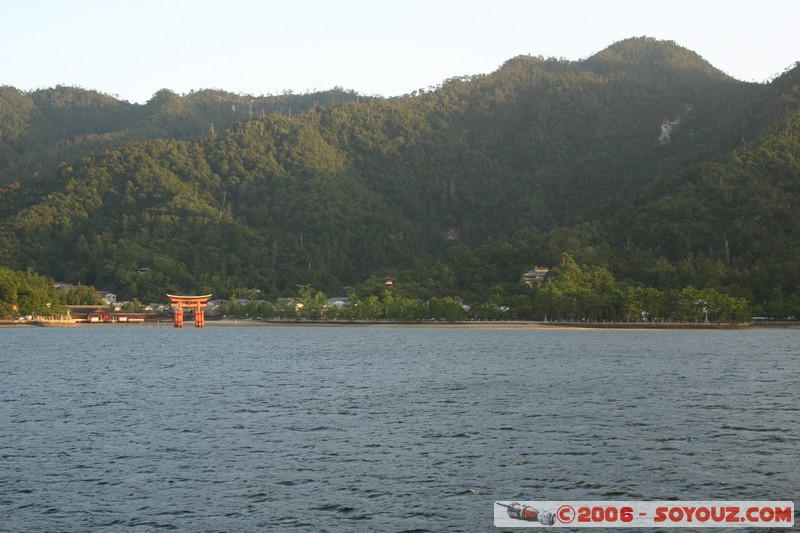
[383, 429]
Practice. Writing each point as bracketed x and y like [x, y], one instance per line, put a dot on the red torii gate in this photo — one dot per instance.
[196, 302]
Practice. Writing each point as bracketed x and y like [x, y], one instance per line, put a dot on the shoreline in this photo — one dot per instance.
[494, 325]
[488, 325]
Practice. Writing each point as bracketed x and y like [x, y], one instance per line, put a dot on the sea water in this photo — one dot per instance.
[141, 428]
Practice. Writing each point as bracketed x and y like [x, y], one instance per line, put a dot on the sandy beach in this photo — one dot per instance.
[521, 325]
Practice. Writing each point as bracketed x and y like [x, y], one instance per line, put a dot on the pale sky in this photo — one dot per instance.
[133, 48]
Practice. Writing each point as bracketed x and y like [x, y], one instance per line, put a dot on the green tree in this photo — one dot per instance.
[312, 304]
[575, 292]
[446, 308]
[9, 283]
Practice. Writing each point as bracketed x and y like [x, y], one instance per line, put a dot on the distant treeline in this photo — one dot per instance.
[31, 294]
[571, 292]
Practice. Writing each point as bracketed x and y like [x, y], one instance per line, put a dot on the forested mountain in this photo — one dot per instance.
[642, 159]
[41, 128]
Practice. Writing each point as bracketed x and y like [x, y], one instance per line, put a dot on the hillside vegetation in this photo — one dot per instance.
[642, 160]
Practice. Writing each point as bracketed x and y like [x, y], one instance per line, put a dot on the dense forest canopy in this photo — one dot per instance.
[642, 160]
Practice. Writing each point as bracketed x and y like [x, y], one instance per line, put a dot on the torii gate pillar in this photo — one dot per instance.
[179, 303]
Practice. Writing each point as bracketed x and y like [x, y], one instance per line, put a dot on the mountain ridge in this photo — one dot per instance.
[543, 155]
